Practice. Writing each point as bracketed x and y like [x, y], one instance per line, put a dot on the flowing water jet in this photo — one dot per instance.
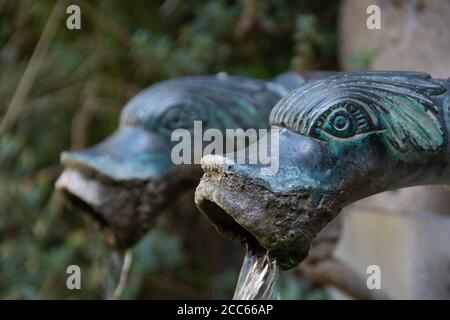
[114, 268]
[257, 278]
[124, 273]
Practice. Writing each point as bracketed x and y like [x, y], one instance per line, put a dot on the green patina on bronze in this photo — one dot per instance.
[219, 102]
[447, 114]
[397, 105]
[342, 138]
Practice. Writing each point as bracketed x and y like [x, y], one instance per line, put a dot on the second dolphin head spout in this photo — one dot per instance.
[126, 180]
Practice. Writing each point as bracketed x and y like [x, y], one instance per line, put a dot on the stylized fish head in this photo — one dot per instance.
[341, 138]
[126, 180]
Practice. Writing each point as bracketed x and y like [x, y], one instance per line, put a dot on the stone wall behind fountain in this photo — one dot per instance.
[405, 232]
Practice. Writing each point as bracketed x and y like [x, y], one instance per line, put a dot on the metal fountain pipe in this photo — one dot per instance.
[126, 180]
[341, 138]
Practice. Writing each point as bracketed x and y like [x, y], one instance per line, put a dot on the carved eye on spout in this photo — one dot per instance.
[401, 106]
[343, 120]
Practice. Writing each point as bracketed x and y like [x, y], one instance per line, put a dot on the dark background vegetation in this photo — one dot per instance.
[82, 79]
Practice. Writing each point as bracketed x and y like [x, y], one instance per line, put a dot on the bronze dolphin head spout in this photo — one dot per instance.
[341, 138]
[126, 180]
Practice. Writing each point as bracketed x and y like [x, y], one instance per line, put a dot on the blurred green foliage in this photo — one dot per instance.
[83, 81]
[363, 60]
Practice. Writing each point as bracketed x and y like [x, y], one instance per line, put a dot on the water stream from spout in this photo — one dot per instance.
[257, 278]
[114, 268]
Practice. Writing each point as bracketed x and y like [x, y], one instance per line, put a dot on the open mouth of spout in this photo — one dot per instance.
[106, 206]
[254, 216]
[82, 194]
[77, 204]
[225, 224]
